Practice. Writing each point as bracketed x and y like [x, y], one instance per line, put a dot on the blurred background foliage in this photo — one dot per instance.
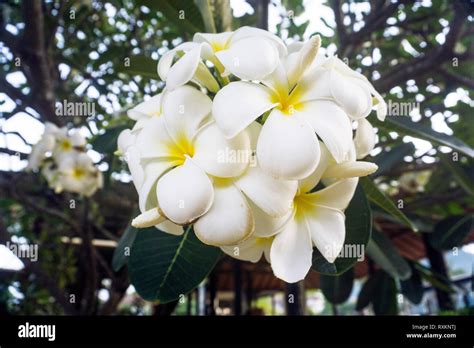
[417, 53]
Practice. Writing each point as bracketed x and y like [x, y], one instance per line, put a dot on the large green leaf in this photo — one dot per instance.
[367, 292]
[384, 301]
[163, 266]
[106, 143]
[412, 288]
[389, 159]
[138, 65]
[433, 278]
[337, 289]
[378, 197]
[124, 246]
[404, 125]
[451, 232]
[379, 290]
[383, 252]
[182, 13]
[358, 228]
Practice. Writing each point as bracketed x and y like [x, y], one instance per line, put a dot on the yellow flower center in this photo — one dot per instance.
[218, 46]
[65, 145]
[180, 148]
[302, 206]
[78, 173]
[288, 102]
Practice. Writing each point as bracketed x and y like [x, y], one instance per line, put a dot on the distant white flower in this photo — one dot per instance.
[76, 173]
[44, 146]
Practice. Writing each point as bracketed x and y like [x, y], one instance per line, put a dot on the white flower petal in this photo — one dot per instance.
[205, 78]
[274, 196]
[249, 32]
[220, 156]
[133, 160]
[184, 193]
[251, 58]
[171, 228]
[149, 108]
[184, 110]
[336, 196]
[238, 104]
[327, 230]
[184, 69]
[307, 184]
[251, 249]
[351, 94]
[266, 225]
[287, 147]
[228, 221]
[147, 190]
[299, 62]
[148, 218]
[364, 139]
[350, 170]
[291, 252]
[166, 61]
[216, 41]
[154, 140]
[331, 124]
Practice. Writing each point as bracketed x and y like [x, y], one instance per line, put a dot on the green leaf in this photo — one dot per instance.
[367, 291]
[138, 65]
[184, 14]
[164, 266]
[379, 290]
[337, 289]
[412, 288]
[383, 252]
[358, 228]
[405, 126]
[384, 301]
[379, 198]
[122, 251]
[434, 279]
[451, 232]
[107, 142]
[390, 159]
[458, 173]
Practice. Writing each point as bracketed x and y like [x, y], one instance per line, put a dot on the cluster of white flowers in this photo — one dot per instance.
[60, 156]
[252, 142]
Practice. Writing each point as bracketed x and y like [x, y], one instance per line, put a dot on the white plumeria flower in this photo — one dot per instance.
[248, 53]
[76, 173]
[364, 140]
[181, 170]
[42, 147]
[332, 78]
[67, 142]
[288, 147]
[186, 180]
[317, 218]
